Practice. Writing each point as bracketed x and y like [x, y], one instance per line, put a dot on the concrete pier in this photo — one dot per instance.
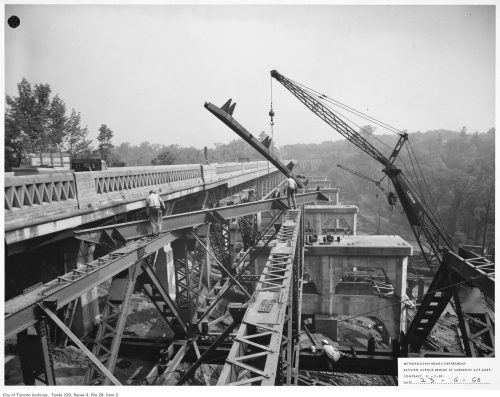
[359, 275]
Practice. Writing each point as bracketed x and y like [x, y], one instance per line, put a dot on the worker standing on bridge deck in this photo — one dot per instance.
[291, 189]
[155, 208]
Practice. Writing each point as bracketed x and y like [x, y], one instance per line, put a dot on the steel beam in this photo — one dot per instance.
[133, 230]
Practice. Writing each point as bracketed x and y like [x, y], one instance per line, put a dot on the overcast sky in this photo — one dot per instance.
[146, 71]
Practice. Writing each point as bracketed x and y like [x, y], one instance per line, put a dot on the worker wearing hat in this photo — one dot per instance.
[331, 355]
[155, 207]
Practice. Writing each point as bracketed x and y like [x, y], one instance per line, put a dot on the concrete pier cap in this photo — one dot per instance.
[330, 218]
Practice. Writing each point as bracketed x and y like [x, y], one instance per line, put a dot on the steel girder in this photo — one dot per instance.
[134, 230]
[257, 350]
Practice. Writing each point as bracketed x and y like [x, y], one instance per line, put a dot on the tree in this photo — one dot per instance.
[33, 122]
[75, 140]
[56, 123]
[105, 145]
[165, 158]
[367, 130]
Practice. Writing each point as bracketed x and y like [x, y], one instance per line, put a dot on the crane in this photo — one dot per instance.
[435, 244]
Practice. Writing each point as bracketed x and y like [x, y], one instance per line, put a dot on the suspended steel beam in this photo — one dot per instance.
[20, 311]
[224, 114]
[133, 230]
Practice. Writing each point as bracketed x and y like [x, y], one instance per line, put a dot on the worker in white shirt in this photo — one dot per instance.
[155, 207]
[332, 355]
[291, 189]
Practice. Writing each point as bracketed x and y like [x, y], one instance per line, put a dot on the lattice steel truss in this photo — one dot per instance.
[266, 334]
[219, 238]
[112, 325]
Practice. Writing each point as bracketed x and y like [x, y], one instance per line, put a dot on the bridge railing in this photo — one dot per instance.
[42, 194]
[34, 191]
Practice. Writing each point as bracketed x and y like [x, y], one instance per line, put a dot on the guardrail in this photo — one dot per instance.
[39, 190]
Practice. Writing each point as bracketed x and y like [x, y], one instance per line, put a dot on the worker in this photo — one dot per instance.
[331, 355]
[291, 189]
[155, 208]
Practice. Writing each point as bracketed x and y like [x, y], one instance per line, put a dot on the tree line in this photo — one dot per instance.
[37, 122]
[156, 154]
[453, 171]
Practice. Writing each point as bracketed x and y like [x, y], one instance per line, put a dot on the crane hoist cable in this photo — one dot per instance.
[271, 115]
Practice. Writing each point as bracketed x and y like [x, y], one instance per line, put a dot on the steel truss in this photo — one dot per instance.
[219, 236]
[265, 335]
[469, 279]
[112, 325]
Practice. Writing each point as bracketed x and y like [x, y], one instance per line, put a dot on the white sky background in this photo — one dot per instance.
[146, 71]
